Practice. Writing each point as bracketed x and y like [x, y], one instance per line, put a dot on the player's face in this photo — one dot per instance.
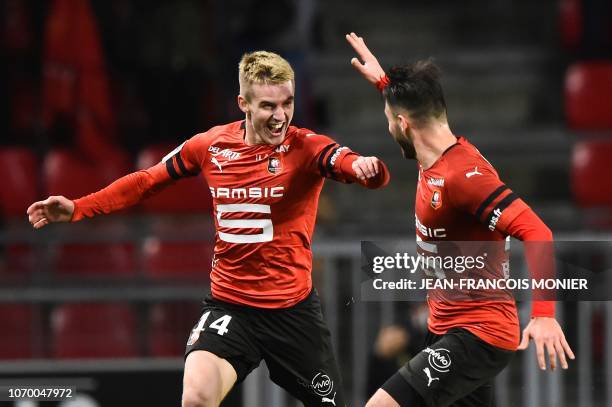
[400, 132]
[269, 110]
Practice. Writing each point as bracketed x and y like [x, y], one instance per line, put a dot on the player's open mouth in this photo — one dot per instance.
[276, 128]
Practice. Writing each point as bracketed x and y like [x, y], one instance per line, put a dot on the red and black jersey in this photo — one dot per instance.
[460, 198]
[265, 201]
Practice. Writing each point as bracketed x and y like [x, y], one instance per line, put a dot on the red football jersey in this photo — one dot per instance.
[461, 199]
[265, 201]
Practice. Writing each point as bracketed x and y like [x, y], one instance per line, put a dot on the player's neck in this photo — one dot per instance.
[250, 135]
[431, 142]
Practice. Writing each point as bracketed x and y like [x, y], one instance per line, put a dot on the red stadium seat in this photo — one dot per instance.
[189, 195]
[19, 169]
[68, 173]
[95, 260]
[591, 169]
[169, 327]
[588, 96]
[177, 260]
[19, 262]
[570, 22]
[20, 331]
[93, 330]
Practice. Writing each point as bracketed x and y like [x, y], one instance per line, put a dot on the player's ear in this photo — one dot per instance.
[404, 123]
[242, 103]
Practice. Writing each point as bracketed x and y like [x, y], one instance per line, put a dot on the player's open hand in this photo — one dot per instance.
[548, 337]
[366, 167]
[52, 209]
[370, 69]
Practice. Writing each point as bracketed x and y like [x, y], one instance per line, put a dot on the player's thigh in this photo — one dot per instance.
[207, 379]
[481, 397]
[383, 399]
[300, 356]
[220, 351]
[448, 370]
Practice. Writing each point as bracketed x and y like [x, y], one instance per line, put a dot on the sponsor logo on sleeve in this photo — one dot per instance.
[497, 213]
[334, 157]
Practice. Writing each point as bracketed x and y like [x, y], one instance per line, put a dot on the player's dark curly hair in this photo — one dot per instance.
[416, 87]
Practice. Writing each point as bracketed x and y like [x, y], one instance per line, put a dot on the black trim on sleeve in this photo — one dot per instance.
[171, 170]
[181, 164]
[322, 155]
[328, 165]
[503, 204]
[489, 199]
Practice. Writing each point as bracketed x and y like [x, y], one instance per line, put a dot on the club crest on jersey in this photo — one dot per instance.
[275, 164]
[436, 199]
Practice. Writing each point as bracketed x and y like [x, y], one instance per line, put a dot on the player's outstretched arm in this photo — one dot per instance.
[51, 210]
[370, 69]
[122, 193]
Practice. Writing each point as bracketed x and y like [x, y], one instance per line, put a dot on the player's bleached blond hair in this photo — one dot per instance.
[263, 67]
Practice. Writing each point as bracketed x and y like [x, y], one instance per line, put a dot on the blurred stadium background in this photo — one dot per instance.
[91, 90]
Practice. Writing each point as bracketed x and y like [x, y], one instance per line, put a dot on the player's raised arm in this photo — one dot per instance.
[370, 68]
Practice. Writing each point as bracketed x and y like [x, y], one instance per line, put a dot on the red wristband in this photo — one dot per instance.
[382, 83]
[543, 309]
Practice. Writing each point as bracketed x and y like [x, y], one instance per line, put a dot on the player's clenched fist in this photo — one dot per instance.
[52, 209]
[366, 167]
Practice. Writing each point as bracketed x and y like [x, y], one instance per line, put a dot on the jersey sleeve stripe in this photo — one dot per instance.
[182, 167]
[488, 201]
[322, 157]
[501, 206]
[328, 164]
[171, 170]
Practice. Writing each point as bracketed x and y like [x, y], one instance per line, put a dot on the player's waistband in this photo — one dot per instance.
[311, 299]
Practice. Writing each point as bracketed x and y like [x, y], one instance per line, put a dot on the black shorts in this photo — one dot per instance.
[455, 369]
[295, 343]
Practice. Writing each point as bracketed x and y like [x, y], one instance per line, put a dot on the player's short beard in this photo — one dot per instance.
[408, 150]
